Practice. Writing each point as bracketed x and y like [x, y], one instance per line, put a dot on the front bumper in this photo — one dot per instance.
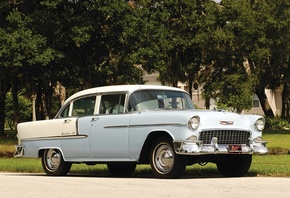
[196, 147]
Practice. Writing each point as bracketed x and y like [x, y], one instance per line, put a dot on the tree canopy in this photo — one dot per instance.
[234, 49]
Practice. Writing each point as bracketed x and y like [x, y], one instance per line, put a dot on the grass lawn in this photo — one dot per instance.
[278, 141]
[275, 164]
[262, 166]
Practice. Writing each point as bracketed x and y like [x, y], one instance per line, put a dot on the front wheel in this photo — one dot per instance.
[165, 163]
[53, 163]
[234, 165]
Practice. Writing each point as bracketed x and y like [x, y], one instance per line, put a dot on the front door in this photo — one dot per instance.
[109, 129]
[109, 137]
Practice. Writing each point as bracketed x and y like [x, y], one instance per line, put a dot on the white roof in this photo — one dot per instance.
[119, 88]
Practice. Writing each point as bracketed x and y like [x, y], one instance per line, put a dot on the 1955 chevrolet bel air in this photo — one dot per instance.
[126, 125]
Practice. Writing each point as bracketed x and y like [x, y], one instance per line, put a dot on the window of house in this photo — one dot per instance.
[256, 101]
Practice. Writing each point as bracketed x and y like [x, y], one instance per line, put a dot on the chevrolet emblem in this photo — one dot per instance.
[226, 122]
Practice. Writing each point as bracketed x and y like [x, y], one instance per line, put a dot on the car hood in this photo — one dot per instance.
[210, 119]
[224, 119]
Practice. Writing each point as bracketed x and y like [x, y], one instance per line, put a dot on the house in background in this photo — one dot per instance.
[151, 79]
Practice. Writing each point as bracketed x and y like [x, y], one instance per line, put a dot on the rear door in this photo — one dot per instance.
[76, 128]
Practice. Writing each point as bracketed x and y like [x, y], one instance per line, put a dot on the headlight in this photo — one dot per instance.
[193, 123]
[260, 124]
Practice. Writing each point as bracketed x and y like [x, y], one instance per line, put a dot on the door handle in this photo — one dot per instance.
[94, 119]
[67, 121]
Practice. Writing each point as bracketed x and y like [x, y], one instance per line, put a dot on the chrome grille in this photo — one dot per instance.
[225, 136]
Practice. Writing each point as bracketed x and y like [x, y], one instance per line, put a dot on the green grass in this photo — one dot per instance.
[278, 141]
[266, 165]
[271, 165]
[262, 166]
[7, 146]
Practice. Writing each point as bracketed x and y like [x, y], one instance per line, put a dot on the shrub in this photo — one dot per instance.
[24, 110]
[277, 123]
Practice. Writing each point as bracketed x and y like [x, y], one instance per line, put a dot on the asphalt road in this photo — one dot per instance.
[38, 186]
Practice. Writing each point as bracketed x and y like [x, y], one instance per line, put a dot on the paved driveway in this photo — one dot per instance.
[38, 185]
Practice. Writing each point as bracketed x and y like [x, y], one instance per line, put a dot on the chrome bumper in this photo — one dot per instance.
[196, 147]
[19, 151]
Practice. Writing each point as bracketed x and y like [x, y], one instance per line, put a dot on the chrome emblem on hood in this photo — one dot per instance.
[226, 122]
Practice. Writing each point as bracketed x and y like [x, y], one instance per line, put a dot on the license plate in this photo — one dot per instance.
[235, 148]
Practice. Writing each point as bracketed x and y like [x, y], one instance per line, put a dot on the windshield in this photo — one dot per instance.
[159, 99]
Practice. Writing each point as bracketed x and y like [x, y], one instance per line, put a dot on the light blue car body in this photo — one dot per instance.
[121, 136]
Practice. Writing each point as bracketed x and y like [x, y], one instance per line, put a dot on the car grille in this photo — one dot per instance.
[225, 136]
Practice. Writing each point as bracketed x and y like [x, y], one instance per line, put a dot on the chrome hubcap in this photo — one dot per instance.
[52, 159]
[163, 158]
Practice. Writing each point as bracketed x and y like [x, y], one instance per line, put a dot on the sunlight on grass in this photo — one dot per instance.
[267, 165]
[278, 140]
[22, 165]
[271, 165]
[7, 144]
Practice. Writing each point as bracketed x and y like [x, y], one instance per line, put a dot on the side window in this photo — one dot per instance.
[84, 106]
[64, 113]
[111, 104]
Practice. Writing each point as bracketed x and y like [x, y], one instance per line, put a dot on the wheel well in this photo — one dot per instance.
[145, 152]
[40, 153]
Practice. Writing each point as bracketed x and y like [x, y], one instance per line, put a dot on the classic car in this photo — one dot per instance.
[126, 125]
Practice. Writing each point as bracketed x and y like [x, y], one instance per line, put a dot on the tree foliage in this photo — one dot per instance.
[24, 110]
[20, 50]
[234, 49]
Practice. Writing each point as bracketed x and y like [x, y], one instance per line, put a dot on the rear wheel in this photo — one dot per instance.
[165, 163]
[121, 169]
[53, 163]
[234, 165]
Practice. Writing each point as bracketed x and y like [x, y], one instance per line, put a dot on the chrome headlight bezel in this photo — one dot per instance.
[193, 123]
[260, 124]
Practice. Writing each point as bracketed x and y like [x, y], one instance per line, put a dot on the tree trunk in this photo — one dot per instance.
[5, 85]
[15, 102]
[33, 99]
[47, 100]
[190, 84]
[285, 100]
[2, 112]
[59, 90]
[207, 103]
[260, 92]
[39, 102]
[62, 95]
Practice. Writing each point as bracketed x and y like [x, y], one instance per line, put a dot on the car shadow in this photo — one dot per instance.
[188, 174]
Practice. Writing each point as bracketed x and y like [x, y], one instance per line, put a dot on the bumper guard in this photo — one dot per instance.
[19, 151]
[196, 147]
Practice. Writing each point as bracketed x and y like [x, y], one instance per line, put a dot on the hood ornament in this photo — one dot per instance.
[226, 122]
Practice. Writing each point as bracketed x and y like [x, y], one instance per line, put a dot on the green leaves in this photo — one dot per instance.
[91, 43]
[236, 92]
[19, 46]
